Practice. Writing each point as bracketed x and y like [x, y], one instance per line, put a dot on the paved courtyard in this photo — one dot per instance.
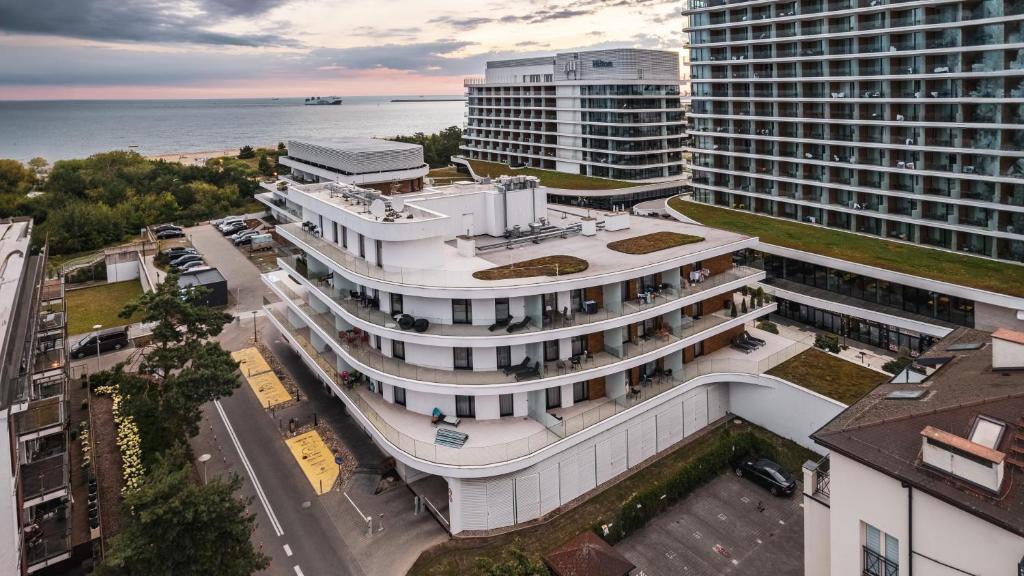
[719, 530]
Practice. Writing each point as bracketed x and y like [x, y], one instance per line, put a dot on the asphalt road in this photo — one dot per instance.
[293, 527]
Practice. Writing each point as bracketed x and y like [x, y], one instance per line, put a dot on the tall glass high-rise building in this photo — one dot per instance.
[894, 118]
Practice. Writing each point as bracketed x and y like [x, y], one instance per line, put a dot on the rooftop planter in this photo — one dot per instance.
[653, 242]
[547, 266]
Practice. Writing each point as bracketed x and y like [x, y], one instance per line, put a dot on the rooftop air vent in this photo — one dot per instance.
[1007, 349]
[965, 459]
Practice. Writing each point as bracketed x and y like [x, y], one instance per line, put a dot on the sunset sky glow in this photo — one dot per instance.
[111, 49]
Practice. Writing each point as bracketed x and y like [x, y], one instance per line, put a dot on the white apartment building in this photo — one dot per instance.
[898, 119]
[606, 113]
[511, 397]
[924, 473]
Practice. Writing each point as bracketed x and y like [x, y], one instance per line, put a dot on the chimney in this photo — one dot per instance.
[1007, 350]
[962, 458]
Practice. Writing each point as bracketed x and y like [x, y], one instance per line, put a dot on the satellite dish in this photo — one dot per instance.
[398, 204]
[377, 208]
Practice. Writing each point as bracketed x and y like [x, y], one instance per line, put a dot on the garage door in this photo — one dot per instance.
[670, 427]
[695, 412]
[569, 484]
[718, 398]
[549, 489]
[585, 466]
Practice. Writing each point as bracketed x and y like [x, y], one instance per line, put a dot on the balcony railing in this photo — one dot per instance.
[327, 363]
[877, 565]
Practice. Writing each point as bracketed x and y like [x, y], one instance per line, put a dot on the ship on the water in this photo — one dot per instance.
[323, 101]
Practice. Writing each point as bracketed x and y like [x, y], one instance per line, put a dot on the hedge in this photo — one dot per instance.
[644, 506]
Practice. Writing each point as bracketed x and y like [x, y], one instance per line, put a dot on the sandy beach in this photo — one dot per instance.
[195, 158]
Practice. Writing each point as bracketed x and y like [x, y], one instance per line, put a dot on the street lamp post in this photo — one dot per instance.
[204, 458]
[253, 326]
[96, 329]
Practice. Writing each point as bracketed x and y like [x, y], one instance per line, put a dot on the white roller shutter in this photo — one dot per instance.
[527, 498]
[649, 439]
[717, 401]
[474, 504]
[569, 479]
[695, 411]
[586, 466]
[500, 503]
[701, 414]
[635, 443]
[549, 491]
[618, 455]
[603, 454]
[670, 427]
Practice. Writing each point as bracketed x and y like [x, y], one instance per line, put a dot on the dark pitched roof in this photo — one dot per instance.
[885, 433]
[587, 555]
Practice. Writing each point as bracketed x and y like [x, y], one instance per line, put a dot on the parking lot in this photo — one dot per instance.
[730, 526]
[242, 275]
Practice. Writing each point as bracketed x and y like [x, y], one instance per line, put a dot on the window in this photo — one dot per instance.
[376, 342]
[879, 561]
[379, 253]
[506, 405]
[396, 303]
[362, 246]
[698, 349]
[550, 350]
[463, 358]
[398, 349]
[554, 397]
[462, 311]
[580, 391]
[579, 345]
[344, 237]
[500, 308]
[465, 406]
[334, 232]
[504, 356]
[399, 395]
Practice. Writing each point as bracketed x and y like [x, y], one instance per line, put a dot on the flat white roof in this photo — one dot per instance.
[356, 144]
[14, 249]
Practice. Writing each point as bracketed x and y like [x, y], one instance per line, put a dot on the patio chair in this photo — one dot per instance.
[522, 365]
[532, 372]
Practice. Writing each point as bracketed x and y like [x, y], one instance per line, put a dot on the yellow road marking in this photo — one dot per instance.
[264, 383]
[315, 459]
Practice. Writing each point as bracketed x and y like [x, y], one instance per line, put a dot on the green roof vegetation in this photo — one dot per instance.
[101, 304]
[447, 175]
[653, 242]
[971, 271]
[829, 375]
[547, 266]
[549, 178]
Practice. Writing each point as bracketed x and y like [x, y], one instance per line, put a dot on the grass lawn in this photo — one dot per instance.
[826, 374]
[100, 305]
[448, 174]
[549, 178]
[546, 266]
[653, 242]
[991, 275]
[458, 556]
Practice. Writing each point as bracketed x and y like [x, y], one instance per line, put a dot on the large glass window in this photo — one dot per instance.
[506, 405]
[462, 311]
[580, 391]
[398, 349]
[504, 356]
[463, 358]
[465, 406]
[399, 396]
[500, 308]
[550, 350]
[554, 397]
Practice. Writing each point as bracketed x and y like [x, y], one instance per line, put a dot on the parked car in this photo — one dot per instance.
[226, 220]
[768, 474]
[163, 227]
[232, 228]
[177, 262]
[189, 266]
[172, 233]
[178, 252]
[244, 237]
[245, 232]
[109, 339]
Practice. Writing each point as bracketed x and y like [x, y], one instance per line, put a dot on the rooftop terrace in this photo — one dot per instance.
[971, 271]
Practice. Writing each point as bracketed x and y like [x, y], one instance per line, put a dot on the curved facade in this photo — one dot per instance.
[526, 369]
[897, 119]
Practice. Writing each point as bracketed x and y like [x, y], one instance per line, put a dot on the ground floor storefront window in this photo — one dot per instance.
[883, 336]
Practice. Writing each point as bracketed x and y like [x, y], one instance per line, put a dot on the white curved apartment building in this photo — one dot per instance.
[615, 377]
[608, 113]
[896, 118]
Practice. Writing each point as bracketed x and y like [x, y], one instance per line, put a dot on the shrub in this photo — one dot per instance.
[732, 308]
[827, 342]
[97, 271]
[743, 306]
[246, 152]
[900, 363]
[768, 327]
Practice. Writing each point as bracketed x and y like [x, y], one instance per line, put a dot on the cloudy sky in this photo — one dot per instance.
[56, 49]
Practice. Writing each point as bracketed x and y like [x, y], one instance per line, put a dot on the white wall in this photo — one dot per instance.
[425, 402]
[429, 356]
[787, 409]
[425, 253]
[121, 271]
[9, 534]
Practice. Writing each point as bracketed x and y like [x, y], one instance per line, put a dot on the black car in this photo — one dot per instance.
[178, 252]
[102, 341]
[165, 227]
[768, 474]
[168, 234]
[177, 262]
[232, 229]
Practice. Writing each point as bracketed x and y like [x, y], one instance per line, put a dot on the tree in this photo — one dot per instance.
[437, 148]
[264, 166]
[175, 527]
[519, 563]
[38, 164]
[246, 152]
[282, 149]
[182, 369]
[15, 178]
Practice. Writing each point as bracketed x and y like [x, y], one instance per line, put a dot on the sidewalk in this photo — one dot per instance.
[404, 535]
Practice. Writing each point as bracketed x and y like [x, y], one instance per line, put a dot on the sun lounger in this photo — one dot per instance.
[518, 325]
[533, 372]
[450, 438]
[500, 324]
[522, 365]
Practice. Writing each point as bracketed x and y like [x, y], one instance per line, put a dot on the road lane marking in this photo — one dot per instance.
[288, 550]
[248, 467]
[298, 571]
